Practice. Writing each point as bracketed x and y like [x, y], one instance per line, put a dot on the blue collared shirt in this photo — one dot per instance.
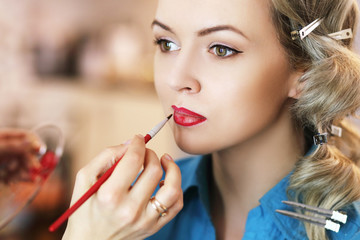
[194, 222]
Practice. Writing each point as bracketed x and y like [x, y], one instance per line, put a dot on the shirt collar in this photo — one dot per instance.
[194, 166]
[272, 200]
[196, 175]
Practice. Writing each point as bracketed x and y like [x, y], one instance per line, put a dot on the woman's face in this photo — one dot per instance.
[220, 69]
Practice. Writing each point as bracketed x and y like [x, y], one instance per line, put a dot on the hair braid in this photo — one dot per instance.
[329, 177]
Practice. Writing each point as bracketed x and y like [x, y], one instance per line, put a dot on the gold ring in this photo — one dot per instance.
[161, 209]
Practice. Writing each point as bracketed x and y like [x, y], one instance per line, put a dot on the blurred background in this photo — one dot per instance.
[85, 65]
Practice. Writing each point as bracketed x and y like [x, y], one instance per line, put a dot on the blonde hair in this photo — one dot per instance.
[329, 177]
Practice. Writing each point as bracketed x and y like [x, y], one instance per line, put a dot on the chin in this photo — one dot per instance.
[194, 146]
[193, 150]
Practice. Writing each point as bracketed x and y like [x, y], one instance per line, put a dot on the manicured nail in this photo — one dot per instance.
[168, 157]
[42, 149]
[161, 183]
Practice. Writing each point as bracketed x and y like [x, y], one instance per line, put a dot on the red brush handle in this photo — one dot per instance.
[94, 188]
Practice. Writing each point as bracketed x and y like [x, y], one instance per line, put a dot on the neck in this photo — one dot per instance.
[245, 172]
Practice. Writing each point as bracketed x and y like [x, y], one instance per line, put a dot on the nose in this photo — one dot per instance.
[183, 76]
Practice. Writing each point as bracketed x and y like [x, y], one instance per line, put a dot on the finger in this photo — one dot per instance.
[27, 142]
[35, 145]
[128, 168]
[13, 145]
[170, 192]
[105, 160]
[89, 174]
[34, 141]
[15, 137]
[12, 133]
[171, 213]
[148, 180]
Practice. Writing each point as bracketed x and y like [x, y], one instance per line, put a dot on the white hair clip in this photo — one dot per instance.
[341, 35]
[306, 30]
[336, 131]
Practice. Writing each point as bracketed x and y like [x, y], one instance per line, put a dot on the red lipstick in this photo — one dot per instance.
[187, 118]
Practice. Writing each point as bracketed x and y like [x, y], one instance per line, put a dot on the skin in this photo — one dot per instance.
[242, 83]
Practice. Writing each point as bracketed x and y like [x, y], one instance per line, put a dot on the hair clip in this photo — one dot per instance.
[320, 138]
[336, 131]
[306, 30]
[325, 218]
[341, 35]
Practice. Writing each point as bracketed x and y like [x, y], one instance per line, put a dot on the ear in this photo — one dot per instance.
[295, 86]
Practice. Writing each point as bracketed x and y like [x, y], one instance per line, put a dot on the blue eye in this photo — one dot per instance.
[223, 51]
[166, 45]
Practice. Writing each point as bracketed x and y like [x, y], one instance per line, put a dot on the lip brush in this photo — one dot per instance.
[94, 188]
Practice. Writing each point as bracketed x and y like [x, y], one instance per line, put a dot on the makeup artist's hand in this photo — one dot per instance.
[18, 153]
[119, 210]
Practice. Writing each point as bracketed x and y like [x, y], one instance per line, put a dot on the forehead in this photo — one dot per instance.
[250, 16]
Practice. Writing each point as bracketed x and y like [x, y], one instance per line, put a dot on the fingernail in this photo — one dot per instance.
[127, 142]
[161, 183]
[168, 157]
[42, 149]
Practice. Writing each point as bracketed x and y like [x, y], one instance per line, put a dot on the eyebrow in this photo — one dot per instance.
[210, 30]
[205, 31]
[162, 25]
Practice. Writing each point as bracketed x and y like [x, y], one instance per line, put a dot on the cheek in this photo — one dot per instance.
[163, 95]
[256, 103]
[251, 87]
[160, 80]
[248, 100]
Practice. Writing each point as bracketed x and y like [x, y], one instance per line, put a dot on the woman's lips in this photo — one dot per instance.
[187, 118]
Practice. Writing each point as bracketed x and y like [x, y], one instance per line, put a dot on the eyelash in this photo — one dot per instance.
[160, 41]
[157, 41]
[226, 48]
